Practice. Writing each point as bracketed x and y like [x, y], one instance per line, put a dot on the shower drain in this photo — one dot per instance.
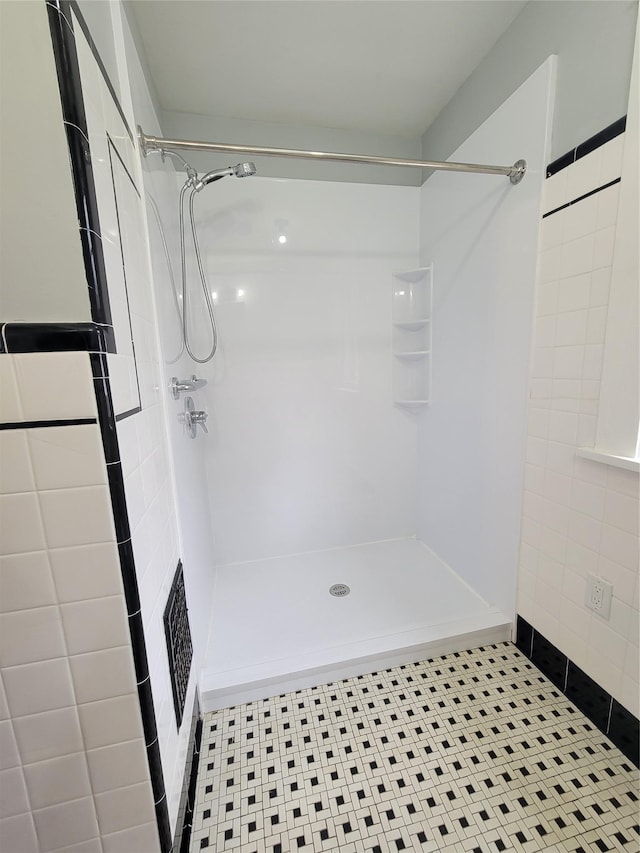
[339, 590]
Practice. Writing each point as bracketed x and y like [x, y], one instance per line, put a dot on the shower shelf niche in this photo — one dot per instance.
[411, 312]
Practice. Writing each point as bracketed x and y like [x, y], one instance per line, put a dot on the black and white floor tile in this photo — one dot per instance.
[474, 752]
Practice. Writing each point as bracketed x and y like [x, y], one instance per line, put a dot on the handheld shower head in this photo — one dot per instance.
[242, 170]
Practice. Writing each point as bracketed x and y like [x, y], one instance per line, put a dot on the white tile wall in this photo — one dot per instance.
[65, 655]
[579, 516]
[144, 456]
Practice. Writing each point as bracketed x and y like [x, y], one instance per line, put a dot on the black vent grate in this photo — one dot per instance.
[179, 649]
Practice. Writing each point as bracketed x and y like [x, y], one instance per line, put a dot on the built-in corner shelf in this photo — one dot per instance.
[411, 312]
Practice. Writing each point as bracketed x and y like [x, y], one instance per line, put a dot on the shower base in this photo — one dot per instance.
[276, 628]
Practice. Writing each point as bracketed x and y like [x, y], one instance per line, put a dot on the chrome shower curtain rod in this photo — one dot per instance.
[515, 173]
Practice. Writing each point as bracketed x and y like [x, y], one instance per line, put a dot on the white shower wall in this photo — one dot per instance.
[305, 449]
[481, 233]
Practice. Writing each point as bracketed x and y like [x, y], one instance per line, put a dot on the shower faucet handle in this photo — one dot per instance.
[192, 417]
[176, 386]
[199, 418]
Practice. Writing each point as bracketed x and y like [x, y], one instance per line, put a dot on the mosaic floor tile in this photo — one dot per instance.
[474, 752]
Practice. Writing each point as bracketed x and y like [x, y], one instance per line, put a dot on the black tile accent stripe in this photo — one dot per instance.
[187, 807]
[41, 424]
[588, 696]
[106, 419]
[73, 113]
[524, 636]
[581, 197]
[123, 415]
[549, 660]
[603, 136]
[610, 717]
[624, 731]
[57, 337]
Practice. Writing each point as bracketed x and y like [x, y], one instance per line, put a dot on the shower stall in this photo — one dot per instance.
[315, 472]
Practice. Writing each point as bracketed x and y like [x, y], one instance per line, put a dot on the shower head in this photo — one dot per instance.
[242, 170]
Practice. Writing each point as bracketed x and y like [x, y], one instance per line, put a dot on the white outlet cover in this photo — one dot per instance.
[598, 596]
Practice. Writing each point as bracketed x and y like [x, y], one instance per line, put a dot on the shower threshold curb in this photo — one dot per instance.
[234, 687]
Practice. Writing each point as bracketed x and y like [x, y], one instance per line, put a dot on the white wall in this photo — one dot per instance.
[594, 45]
[481, 234]
[187, 455]
[305, 449]
[38, 219]
[138, 389]
[579, 516]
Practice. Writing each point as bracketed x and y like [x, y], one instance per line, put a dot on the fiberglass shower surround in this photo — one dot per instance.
[307, 457]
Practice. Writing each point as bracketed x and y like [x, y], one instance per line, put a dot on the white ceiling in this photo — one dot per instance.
[380, 66]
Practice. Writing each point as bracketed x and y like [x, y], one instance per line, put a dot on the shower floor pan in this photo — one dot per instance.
[276, 628]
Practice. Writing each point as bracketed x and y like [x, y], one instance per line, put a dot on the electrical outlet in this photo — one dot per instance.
[598, 598]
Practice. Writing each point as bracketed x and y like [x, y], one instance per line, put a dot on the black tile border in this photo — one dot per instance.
[107, 421]
[187, 807]
[603, 136]
[587, 695]
[42, 424]
[74, 116]
[549, 660]
[581, 197]
[605, 712]
[57, 337]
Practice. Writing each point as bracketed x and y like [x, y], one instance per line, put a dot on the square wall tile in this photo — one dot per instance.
[15, 472]
[36, 687]
[13, 793]
[118, 766]
[65, 824]
[555, 191]
[98, 623]
[21, 523]
[86, 571]
[18, 833]
[123, 808]
[80, 516]
[26, 581]
[584, 175]
[49, 735]
[55, 386]
[92, 845]
[622, 511]
[141, 839]
[65, 457]
[57, 780]
[9, 755]
[111, 721]
[4, 708]
[103, 674]
[28, 636]
[611, 159]
[599, 287]
[10, 407]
